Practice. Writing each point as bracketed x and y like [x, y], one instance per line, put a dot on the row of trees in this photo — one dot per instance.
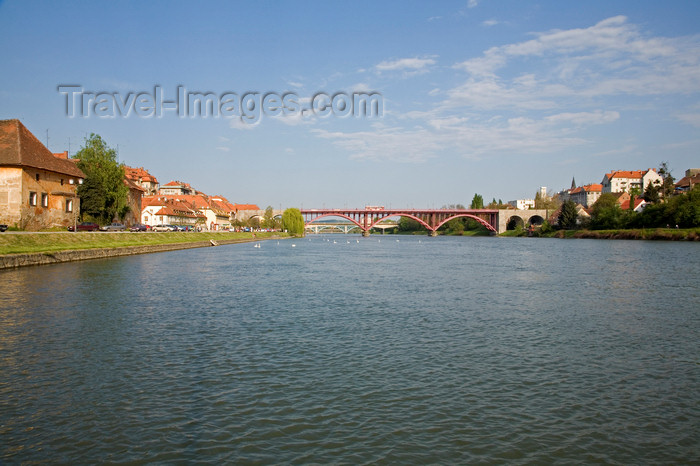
[681, 210]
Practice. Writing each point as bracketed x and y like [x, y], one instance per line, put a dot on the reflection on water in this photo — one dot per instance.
[443, 350]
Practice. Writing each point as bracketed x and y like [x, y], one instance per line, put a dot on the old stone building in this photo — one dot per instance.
[37, 189]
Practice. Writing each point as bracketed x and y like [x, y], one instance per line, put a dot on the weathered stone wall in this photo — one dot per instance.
[504, 215]
[10, 195]
[59, 189]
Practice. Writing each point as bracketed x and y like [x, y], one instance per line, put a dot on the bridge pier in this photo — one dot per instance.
[365, 232]
[433, 233]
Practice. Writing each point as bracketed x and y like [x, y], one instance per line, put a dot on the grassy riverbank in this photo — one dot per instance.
[668, 234]
[24, 243]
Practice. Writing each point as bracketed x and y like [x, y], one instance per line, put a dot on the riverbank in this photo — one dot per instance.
[19, 250]
[657, 234]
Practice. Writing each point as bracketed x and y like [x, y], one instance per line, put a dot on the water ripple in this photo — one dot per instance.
[453, 350]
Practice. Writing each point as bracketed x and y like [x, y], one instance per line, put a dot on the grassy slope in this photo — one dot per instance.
[50, 242]
[688, 234]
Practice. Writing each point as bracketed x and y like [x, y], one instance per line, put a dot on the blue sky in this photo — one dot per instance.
[489, 97]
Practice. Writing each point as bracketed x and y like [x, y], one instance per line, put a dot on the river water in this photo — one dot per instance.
[350, 350]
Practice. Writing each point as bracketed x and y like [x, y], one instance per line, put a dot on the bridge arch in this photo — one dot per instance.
[474, 217]
[514, 222]
[536, 220]
[334, 215]
[422, 222]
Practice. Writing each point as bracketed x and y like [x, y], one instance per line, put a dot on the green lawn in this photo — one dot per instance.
[62, 241]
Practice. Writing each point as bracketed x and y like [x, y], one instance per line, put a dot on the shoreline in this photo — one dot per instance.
[13, 261]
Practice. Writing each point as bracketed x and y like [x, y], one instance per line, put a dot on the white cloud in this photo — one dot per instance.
[359, 87]
[549, 94]
[584, 118]
[611, 57]
[490, 22]
[237, 123]
[472, 3]
[690, 118]
[414, 64]
[394, 144]
[223, 149]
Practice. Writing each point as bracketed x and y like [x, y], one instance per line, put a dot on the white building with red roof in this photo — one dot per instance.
[210, 212]
[161, 210]
[585, 195]
[176, 188]
[618, 181]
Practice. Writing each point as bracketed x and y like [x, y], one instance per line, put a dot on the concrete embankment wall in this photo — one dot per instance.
[41, 258]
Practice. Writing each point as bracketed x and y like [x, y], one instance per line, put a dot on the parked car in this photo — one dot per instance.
[139, 227]
[164, 228]
[114, 227]
[3, 227]
[85, 226]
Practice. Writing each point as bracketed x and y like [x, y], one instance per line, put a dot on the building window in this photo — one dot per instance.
[37, 177]
[44, 200]
[61, 181]
[69, 205]
[32, 197]
[145, 218]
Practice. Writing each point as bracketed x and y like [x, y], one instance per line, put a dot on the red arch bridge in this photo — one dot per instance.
[494, 220]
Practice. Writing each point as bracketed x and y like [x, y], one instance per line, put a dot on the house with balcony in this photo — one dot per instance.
[37, 188]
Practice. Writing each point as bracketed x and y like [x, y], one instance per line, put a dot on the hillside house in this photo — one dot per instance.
[142, 178]
[619, 181]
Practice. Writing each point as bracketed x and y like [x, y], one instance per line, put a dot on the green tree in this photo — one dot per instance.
[607, 214]
[547, 202]
[568, 215]
[268, 218]
[651, 193]
[254, 222]
[409, 224]
[456, 226]
[477, 202]
[669, 183]
[293, 221]
[103, 195]
[497, 204]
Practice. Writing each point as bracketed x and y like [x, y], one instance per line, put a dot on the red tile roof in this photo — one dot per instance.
[624, 205]
[238, 207]
[19, 147]
[131, 185]
[139, 174]
[589, 188]
[687, 180]
[634, 174]
[196, 202]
